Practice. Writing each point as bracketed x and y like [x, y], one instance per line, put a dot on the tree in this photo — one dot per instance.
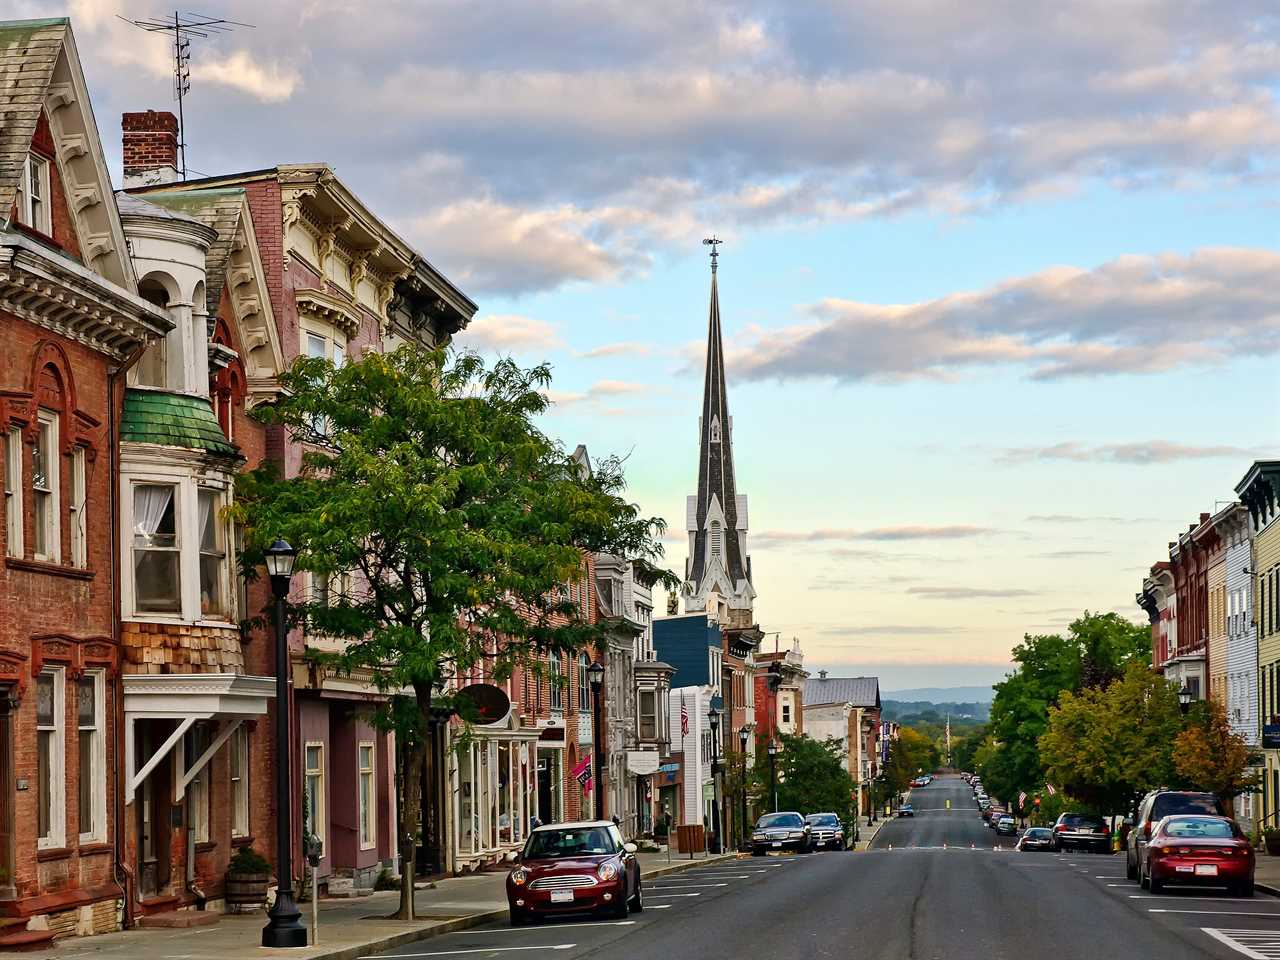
[811, 777]
[1209, 756]
[446, 523]
[910, 754]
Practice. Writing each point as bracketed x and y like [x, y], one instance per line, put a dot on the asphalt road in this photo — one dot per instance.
[916, 901]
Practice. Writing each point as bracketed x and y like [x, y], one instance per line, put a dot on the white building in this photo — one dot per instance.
[1242, 641]
[697, 788]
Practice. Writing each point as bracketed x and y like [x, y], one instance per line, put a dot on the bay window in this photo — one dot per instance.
[368, 797]
[50, 760]
[156, 546]
[13, 492]
[91, 724]
[44, 488]
[648, 715]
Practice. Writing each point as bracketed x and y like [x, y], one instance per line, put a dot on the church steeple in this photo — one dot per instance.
[717, 516]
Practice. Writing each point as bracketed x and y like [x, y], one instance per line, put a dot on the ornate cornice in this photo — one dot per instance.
[327, 308]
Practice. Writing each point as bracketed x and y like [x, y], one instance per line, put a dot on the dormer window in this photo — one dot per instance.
[33, 195]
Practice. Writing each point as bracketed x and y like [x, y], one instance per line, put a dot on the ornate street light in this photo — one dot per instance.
[713, 720]
[595, 673]
[1184, 698]
[284, 920]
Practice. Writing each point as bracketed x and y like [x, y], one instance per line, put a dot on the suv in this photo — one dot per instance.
[1076, 830]
[1157, 805]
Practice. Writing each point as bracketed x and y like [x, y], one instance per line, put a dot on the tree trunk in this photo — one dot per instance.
[410, 809]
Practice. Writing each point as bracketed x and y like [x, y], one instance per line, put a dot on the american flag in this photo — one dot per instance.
[684, 717]
[1049, 788]
[1022, 799]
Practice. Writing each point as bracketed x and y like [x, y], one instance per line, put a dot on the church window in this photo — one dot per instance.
[715, 538]
[715, 429]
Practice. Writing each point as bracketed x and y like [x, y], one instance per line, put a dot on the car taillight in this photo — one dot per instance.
[1146, 830]
[1060, 828]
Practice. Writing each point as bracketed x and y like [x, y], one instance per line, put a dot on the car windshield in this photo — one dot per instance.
[1195, 827]
[780, 820]
[1168, 804]
[823, 819]
[1038, 833]
[1077, 820]
[571, 842]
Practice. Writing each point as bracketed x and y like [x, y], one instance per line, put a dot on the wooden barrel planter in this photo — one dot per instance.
[246, 892]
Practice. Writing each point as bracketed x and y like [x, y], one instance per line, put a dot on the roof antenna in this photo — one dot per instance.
[713, 242]
[184, 26]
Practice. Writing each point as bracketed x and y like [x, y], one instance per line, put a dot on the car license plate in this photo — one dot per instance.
[1180, 868]
[1206, 869]
[822, 843]
[562, 896]
[777, 843]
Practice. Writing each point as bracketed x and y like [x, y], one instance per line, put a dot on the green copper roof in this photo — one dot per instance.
[173, 420]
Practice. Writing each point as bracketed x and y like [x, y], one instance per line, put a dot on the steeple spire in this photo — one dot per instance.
[716, 516]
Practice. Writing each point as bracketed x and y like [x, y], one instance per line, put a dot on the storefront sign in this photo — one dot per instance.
[642, 762]
[489, 703]
[1271, 735]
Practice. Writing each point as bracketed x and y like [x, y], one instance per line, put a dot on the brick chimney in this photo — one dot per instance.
[150, 148]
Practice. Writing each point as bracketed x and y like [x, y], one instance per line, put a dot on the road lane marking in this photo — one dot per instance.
[657, 906]
[675, 894]
[558, 926]
[1216, 913]
[1245, 941]
[682, 886]
[1177, 896]
[1109, 878]
[458, 953]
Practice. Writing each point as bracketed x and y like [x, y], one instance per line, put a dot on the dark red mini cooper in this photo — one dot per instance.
[574, 868]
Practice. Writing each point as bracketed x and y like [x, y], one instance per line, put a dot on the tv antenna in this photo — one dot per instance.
[185, 26]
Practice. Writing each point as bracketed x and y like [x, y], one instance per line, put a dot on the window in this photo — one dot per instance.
[79, 541]
[33, 195]
[156, 581]
[13, 491]
[584, 683]
[648, 715]
[44, 488]
[90, 721]
[556, 690]
[195, 743]
[715, 538]
[213, 556]
[713, 667]
[324, 348]
[786, 712]
[368, 819]
[50, 763]
[313, 791]
[240, 782]
[152, 370]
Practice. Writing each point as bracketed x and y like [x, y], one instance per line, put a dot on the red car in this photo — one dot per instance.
[1200, 850]
[574, 868]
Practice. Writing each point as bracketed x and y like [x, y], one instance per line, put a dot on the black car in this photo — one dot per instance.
[781, 831]
[1082, 831]
[827, 831]
[1157, 805]
[1036, 838]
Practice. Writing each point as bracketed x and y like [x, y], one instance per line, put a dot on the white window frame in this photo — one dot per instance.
[220, 540]
[131, 565]
[47, 428]
[239, 760]
[56, 838]
[367, 793]
[316, 773]
[584, 684]
[198, 793]
[78, 509]
[555, 690]
[28, 213]
[97, 774]
[15, 547]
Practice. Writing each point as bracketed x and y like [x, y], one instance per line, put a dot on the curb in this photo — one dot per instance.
[865, 838]
[477, 919]
[1267, 888]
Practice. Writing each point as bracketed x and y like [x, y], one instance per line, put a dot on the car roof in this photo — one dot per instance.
[573, 825]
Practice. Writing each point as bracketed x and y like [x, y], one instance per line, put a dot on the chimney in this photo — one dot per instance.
[822, 674]
[150, 148]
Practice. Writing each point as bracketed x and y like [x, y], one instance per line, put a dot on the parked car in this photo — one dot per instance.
[1081, 831]
[1006, 826]
[993, 814]
[827, 830]
[906, 810]
[574, 868]
[781, 831]
[1200, 850]
[1035, 838]
[1157, 805]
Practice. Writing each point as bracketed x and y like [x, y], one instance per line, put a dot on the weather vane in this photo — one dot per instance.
[713, 241]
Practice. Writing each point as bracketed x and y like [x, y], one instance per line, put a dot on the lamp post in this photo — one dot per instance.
[713, 720]
[595, 673]
[773, 772]
[1184, 698]
[743, 736]
[284, 921]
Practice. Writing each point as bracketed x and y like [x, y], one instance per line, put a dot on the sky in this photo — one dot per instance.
[997, 283]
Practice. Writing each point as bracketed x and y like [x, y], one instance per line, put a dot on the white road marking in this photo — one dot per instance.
[458, 953]
[558, 926]
[1248, 943]
[1217, 913]
[681, 886]
[657, 906]
[1108, 878]
[1177, 896]
[675, 894]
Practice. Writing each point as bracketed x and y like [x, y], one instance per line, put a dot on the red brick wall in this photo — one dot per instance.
[150, 140]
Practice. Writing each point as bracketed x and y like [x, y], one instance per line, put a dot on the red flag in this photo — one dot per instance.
[1049, 788]
[582, 773]
[684, 718]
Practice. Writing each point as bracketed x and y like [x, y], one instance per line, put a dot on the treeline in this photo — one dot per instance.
[927, 711]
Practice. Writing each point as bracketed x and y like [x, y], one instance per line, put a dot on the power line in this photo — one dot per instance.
[185, 26]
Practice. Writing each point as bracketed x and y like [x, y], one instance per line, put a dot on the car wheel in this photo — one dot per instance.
[1155, 884]
[1130, 871]
[518, 918]
[623, 907]
[637, 902]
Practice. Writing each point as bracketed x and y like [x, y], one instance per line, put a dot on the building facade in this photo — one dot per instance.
[779, 699]
[847, 710]
[1242, 642]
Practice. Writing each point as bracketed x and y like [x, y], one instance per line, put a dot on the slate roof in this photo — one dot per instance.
[173, 420]
[28, 55]
[859, 691]
[216, 207]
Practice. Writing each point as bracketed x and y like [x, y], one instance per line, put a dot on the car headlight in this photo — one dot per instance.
[759, 836]
[520, 876]
[607, 871]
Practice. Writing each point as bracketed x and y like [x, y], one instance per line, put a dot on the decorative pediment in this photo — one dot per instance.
[329, 309]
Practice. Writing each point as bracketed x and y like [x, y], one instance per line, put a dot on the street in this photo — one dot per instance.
[905, 899]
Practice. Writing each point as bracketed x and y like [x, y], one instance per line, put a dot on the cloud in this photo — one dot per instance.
[1141, 454]
[270, 82]
[888, 630]
[882, 534]
[1071, 554]
[1134, 314]
[594, 397]
[629, 348]
[1071, 518]
[967, 593]
[509, 333]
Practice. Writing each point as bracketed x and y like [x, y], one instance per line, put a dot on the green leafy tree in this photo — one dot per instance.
[1209, 756]
[811, 777]
[909, 755]
[446, 523]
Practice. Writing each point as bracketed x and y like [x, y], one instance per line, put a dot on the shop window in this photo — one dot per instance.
[196, 742]
[33, 195]
[91, 724]
[504, 798]
[468, 812]
[13, 491]
[368, 798]
[79, 523]
[50, 760]
[44, 488]
[156, 561]
[213, 556]
[240, 782]
[313, 791]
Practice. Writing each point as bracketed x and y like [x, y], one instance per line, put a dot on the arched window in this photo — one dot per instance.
[715, 538]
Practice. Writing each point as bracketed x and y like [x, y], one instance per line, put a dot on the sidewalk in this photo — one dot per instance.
[868, 833]
[349, 928]
[1266, 875]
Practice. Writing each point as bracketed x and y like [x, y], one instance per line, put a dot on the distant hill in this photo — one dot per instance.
[942, 694]
[917, 712]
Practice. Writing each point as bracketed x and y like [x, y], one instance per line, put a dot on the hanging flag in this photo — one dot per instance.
[1049, 789]
[684, 717]
[582, 773]
[1022, 799]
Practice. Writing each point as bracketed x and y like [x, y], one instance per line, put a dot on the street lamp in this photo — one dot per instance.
[743, 735]
[595, 673]
[773, 772]
[1184, 698]
[284, 920]
[713, 720]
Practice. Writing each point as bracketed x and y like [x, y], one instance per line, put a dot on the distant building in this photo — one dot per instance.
[847, 709]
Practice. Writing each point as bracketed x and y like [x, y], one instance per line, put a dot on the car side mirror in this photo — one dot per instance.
[513, 856]
[629, 848]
